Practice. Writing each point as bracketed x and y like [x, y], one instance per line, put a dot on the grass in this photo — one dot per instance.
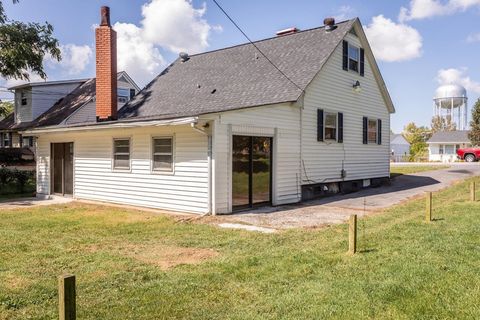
[407, 269]
[396, 171]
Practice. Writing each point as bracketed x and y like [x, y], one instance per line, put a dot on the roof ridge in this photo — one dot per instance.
[267, 39]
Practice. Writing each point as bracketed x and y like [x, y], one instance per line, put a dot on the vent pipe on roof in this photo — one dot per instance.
[284, 32]
[184, 56]
[329, 24]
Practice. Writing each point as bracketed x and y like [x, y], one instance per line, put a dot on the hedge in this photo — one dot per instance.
[16, 181]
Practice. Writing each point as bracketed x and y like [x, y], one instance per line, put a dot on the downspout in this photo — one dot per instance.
[209, 153]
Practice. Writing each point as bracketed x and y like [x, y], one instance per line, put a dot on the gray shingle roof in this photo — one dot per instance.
[459, 136]
[237, 77]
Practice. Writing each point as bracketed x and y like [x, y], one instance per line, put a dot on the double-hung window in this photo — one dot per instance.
[330, 126]
[7, 139]
[353, 58]
[372, 131]
[162, 154]
[121, 154]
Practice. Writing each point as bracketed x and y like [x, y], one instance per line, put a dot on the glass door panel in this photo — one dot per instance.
[261, 163]
[240, 172]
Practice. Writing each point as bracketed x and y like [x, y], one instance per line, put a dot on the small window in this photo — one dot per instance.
[7, 139]
[27, 141]
[123, 95]
[449, 149]
[121, 154]
[353, 58]
[330, 126]
[162, 155]
[372, 131]
[440, 149]
[23, 97]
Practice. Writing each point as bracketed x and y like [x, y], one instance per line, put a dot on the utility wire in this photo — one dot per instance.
[256, 47]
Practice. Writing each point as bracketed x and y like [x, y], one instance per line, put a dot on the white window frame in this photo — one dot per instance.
[6, 138]
[122, 169]
[325, 112]
[119, 96]
[352, 48]
[368, 131]
[170, 171]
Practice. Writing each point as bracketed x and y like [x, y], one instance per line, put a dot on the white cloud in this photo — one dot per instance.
[421, 9]
[140, 58]
[474, 37]
[176, 25]
[75, 58]
[344, 12]
[458, 76]
[393, 42]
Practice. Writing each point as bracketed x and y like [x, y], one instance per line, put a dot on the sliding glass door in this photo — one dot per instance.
[252, 171]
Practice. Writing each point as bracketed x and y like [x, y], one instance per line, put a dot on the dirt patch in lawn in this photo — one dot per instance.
[16, 282]
[167, 257]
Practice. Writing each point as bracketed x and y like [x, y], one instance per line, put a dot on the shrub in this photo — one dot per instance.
[16, 181]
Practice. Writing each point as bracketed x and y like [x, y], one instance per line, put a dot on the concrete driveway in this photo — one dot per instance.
[337, 209]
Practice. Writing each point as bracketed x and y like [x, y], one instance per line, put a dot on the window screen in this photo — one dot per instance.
[372, 131]
[330, 126]
[353, 58]
[162, 154]
[121, 154]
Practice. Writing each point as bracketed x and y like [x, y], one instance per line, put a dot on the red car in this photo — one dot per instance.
[469, 154]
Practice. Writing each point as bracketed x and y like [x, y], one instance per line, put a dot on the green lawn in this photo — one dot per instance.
[401, 170]
[123, 259]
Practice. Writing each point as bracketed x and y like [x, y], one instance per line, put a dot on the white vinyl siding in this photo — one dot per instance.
[332, 88]
[282, 122]
[185, 190]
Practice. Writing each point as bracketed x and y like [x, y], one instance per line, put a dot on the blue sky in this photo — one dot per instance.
[426, 43]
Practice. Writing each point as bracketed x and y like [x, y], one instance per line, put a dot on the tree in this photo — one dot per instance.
[474, 134]
[443, 124]
[5, 109]
[23, 47]
[417, 137]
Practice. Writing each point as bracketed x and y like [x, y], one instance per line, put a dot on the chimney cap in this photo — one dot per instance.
[105, 16]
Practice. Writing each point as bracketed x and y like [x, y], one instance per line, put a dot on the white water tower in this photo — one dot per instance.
[451, 102]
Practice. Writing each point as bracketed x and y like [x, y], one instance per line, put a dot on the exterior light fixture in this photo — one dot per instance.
[356, 87]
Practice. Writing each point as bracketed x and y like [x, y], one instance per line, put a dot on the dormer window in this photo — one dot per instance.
[353, 58]
[124, 95]
[23, 98]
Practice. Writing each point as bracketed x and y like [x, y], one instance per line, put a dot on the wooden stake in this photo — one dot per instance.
[472, 192]
[66, 297]
[352, 234]
[428, 208]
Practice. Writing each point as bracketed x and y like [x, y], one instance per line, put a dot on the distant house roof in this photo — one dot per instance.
[46, 83]
[398, 139]
[459, 136]
[63, 108]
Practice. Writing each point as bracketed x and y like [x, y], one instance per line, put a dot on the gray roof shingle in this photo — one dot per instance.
[459, 136]
[237, 77]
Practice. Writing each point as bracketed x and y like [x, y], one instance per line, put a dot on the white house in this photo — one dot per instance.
[224, 130]
[400, 147]
[443, 146]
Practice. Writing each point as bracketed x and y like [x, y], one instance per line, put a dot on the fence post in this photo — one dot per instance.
[472, 191]
[66, 297]
[352, 234]
[428, 208]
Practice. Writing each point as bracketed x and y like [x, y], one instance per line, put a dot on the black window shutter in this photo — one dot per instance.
[340, 127]
[1, 140]
[21, 141]
[319, 125]
[362, 62]
[30, 141]
[345, 55]
[132, 93]
[365, 130]
[379, 129]
[10, 135]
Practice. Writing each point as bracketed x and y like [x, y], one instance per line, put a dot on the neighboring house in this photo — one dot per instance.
[400, 147]
[222, 131]
[76, 98]
[443, 146]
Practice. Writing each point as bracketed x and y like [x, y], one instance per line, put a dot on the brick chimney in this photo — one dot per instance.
[106, 66]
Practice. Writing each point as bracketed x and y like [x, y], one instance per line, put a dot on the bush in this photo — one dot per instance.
[16, 181]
